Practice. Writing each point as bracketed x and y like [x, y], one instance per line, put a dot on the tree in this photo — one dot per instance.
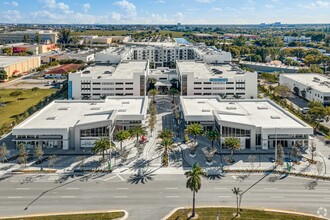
[195, 129]
[194, 182]
[38, 153]
[296, 90]
[52, 160]
[282, 91]
[3, 75]
[64, 36]
[16, 93]
[3, 152]
[237, 192]
[152, 81]
[153, 93]
[121, 136]
[38, 39]
[232, 144]
[212, 136]
[165, 146]
[22, 154]
[318, 114]
[279, 155]
[26, 38]
[101, 145]
[166, 133]
[137, 131]
[173, 92]
[295, 152]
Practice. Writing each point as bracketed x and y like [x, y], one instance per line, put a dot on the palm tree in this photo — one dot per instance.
[212, 136]
[173, 92]
[195, 129]
[101, 145]
[153, 93]
[121, 136]
[232, 144]
[194, 182]
[137, 131]
[166, 133]
[237, 192]
[165, 146]
[152, 82]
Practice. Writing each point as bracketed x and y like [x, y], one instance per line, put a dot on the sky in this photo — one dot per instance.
[164, 11]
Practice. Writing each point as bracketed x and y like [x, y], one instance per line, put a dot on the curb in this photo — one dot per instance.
[69, 213]
[267, 210]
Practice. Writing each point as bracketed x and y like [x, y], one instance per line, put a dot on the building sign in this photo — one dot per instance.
[218, 80]
[70, 90]
[87, 143]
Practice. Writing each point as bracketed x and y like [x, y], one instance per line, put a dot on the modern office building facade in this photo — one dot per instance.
[309, 86]
[96, 82]
[75, 125]
[258, 123]
[46, 36]
[225, 80]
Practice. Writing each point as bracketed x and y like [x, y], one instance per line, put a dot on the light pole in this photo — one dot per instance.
[111, 130]
[275, 145]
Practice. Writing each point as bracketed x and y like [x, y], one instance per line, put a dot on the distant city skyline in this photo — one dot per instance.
[164, 11]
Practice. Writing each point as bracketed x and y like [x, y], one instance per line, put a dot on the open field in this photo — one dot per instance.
[246, 214]
[125, 32]
[93, 216]
[13, 106]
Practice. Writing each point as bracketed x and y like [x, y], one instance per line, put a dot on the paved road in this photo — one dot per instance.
[154, 198]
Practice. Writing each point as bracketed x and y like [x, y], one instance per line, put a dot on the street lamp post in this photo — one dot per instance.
[275, 145]
[111, 130]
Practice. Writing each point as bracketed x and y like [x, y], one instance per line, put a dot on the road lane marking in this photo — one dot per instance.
[68, 197]
[172, 196]
[73, 188]
[276, 197]
[120, 177]
[171, 188]
[15, 197]
[120, 197]
[221, 188]
[15, 181]
[121, 188]
[22, 188]
[270, 189]
[224, 196]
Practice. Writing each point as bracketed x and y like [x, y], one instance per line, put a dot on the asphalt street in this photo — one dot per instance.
[147, 195]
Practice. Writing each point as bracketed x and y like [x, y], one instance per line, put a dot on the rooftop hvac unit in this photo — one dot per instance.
[231, 108]
[275, 117]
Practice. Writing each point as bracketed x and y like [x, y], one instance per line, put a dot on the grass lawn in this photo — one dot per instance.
[94, 216]
[14, 107]
[246, 214]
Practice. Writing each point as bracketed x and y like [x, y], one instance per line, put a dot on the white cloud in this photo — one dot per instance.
[13, 3]
[317, 4]
[204, 1]
[217, 9]
[179, 15]
[269, 6]
[86, 7]
[128, 7]
[52, 4]
[160, 1]
[11, 15]
[116, 16]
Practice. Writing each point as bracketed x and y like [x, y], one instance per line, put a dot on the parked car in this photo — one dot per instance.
[304, 110]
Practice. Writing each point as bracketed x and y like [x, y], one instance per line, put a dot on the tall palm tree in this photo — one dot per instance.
[173, 92]
[166, 133]
[152, 81]
[101, 145]
[137, 131]
[153, 93]
[121, 136]
[212, 135]
[232, 144]
[237, 192]
[165, 146]
[195, 129]
[194, 182]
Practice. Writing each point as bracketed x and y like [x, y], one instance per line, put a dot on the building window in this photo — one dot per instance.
[119, 83]
[96, 83]
[119, 88]
[129, 83]
[197, 83]
[95, 132]
[129, 88]
[207, 83]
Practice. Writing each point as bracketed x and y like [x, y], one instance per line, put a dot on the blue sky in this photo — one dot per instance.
[165, 11]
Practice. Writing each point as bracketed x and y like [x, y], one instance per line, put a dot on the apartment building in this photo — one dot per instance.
[96, 82]
[258, 123]
[309, 86]
[302, 39]
[225, 80]
[76, 124]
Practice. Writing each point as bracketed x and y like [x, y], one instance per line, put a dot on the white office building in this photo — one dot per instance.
[99, 81]
[258, 123]
[113, 55]
[309, 86]
[302, 39]
[225, 80]
[75, 125]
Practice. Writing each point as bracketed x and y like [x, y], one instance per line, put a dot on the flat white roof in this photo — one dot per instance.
[256, 112]
[124, 70]
[203, 70]
[316, 81]
[9, 60]
[68, 113]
